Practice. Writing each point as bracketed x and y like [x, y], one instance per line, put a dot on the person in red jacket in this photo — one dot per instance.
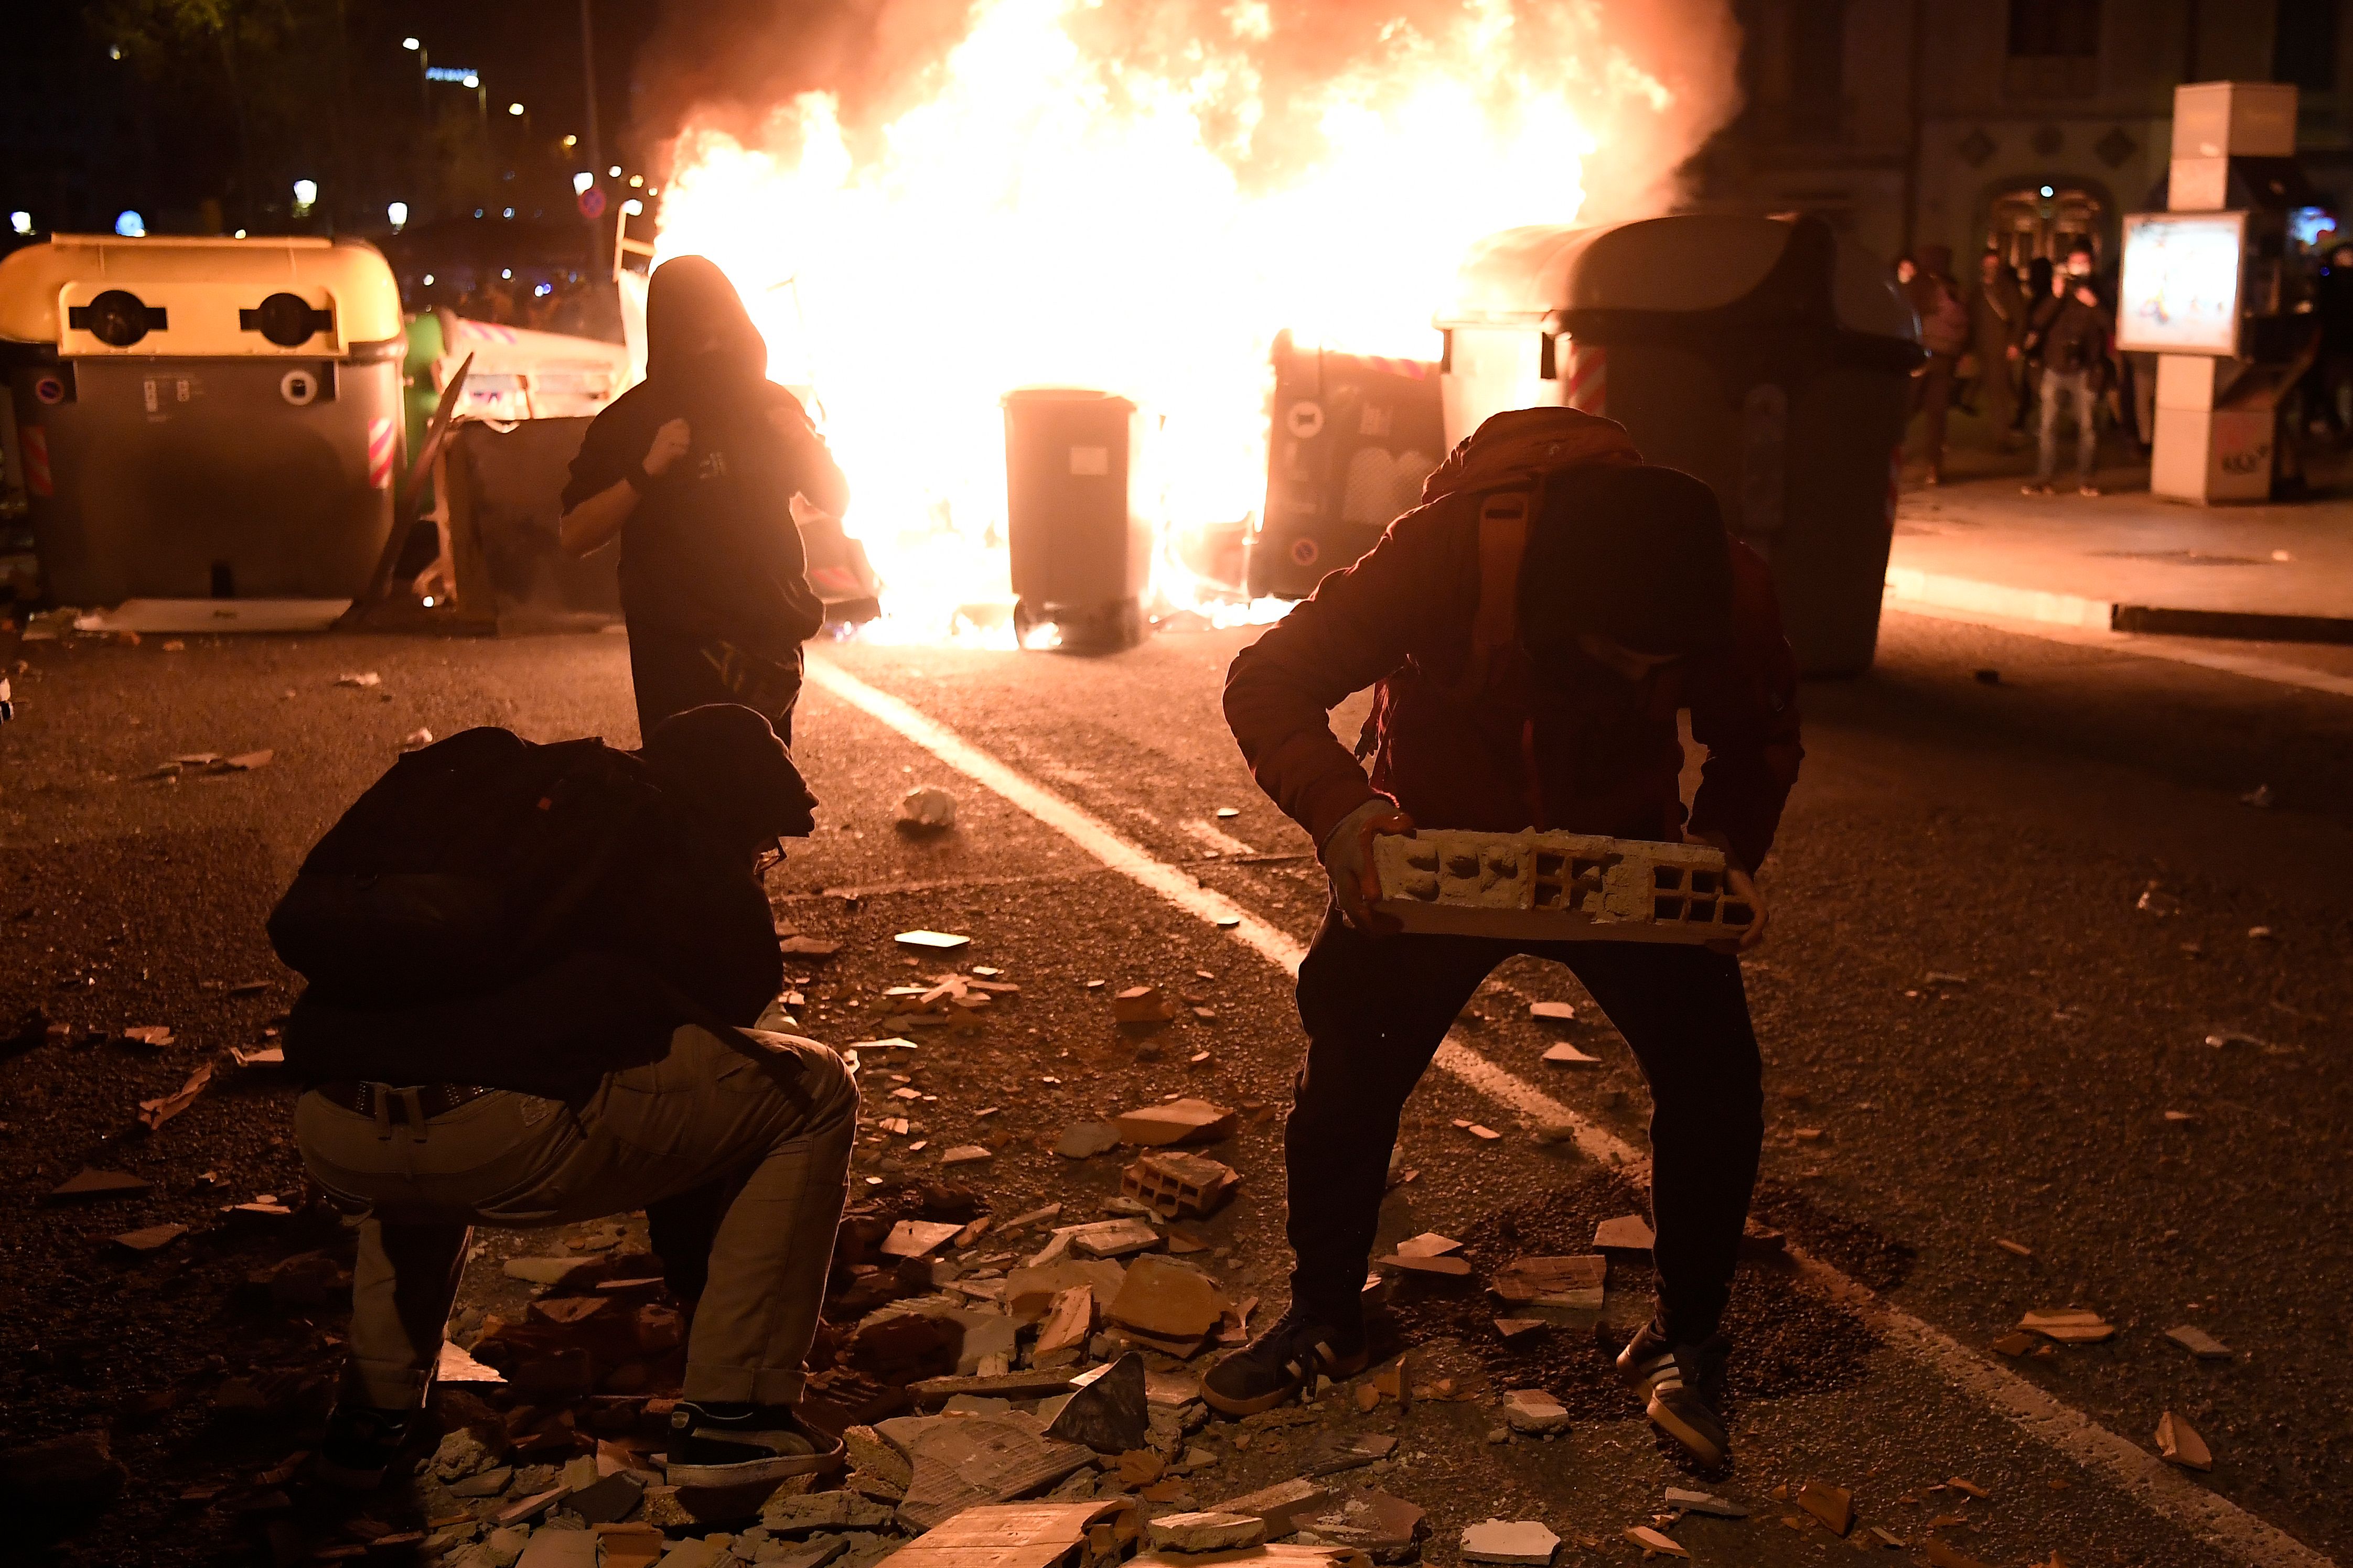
[1531, 632]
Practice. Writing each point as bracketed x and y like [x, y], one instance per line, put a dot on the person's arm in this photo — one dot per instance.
[818, 477]
[590, 523]
[1744, 710]
[1354, 630]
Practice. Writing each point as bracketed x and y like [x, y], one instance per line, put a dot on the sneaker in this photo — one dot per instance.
[716, 1444]
[1279, 1363]
[2087, 490]
[2038, 488]
[1932, 479]
[360, 1446]
[1669, 1378]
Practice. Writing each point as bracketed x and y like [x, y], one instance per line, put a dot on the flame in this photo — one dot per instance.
[1050, 218]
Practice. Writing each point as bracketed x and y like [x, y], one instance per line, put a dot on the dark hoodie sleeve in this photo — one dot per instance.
[1744, 710]
[603, 458]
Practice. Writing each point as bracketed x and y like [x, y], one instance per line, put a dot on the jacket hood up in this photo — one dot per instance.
[689, 303]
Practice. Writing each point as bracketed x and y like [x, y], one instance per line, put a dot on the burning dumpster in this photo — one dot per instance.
[1764, 355]
[1352, 439]
[203, 417]
[1076, 522]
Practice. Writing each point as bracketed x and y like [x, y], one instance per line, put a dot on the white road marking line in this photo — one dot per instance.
[1211, 836]
[2144, 1478]
[2252, 666]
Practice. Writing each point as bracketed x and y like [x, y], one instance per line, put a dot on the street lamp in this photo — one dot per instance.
[412, 46]
[515, 108]
[581, 182]
[130, 224]
[22, 222]
[306, 196]
[398, 213]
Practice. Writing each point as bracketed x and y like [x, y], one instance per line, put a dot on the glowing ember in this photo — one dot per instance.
[1068, 210]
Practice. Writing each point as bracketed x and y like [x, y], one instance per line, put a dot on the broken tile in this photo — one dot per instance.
[1428, 1244]
[2018, 1249]
[1167, 1300]
[1523, 1541]
[1332, 1452]
[1282, 1505]
[1069, 1324]
[1082, 1140]
[2071, 1327]
[1654, 1543]
[2015, 1342]
[1176, 1121]
[977, 1459]
[455, 1365]
[92, 1182]
[157, 1036]
[1143, 1004]
[1533, 1411]
[1554, 1012]
[967, 1154]
[1455, 1267]
[2178, 1443]
[1574, 1282]
[257, 1055]
[154, 1114]
[1109, 1412]
[154, 1238]
[1485, 1133]
[916, 1237]
[932, 940]
[1627, 1232]
[1565, 1055]
[1513, 1328]
[1207, 1532]
[1835, 1506]
[2199, 1343]
[1684, 1501]
[1111, 1237]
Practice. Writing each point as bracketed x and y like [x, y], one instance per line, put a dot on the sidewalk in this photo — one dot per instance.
[2124, 561]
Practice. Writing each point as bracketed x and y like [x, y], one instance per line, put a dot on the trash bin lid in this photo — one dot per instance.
[203, 297]
[1678, 265]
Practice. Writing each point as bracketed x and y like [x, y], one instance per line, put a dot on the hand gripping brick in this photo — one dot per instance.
[1557, 887]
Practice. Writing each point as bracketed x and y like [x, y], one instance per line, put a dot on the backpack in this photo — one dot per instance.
[459, 870]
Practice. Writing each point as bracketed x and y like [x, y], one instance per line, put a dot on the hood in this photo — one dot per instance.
[1517, 445]
[687, 302]
[1937, 260]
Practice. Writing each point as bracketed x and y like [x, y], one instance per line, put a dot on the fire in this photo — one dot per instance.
[1055, 216]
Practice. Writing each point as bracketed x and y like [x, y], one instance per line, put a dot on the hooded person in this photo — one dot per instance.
[1531, 632]
[695, 469]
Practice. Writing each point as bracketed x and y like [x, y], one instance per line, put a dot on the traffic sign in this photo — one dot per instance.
[592, 202]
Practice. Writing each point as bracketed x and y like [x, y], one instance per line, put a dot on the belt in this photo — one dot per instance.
[429, 1099]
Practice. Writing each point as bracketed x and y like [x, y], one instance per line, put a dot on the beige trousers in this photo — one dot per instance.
[707, 1139]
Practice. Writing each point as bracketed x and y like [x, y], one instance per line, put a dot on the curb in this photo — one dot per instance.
[1908, 584]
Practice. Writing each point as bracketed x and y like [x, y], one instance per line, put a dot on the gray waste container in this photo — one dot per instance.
[1076, 522]
[1765, 355]
[204, 418]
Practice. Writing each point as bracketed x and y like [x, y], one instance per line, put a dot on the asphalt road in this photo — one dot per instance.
[2007, 919]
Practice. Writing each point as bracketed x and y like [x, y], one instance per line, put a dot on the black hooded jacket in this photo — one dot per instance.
[712, 551]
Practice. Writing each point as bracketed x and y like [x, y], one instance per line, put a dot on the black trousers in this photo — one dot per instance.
[672, 673]
[1376, 1010]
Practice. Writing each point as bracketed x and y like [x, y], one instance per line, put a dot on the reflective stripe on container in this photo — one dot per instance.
[380, 454]
[35, 447]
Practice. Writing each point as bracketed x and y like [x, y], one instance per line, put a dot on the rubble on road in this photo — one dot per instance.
[926, 809]
[1183, 1121]
[1143, 1004]
[2178, 1443]
[153, 1238]
[1535, 1411]
[2199, 1343]
[1206, 1531]
[1655, 1543]
[1179, 1184]
[1565, 1055]
[90, 1183]
[1386, 1529]
[932, 940]
[1835, 1506]
[1572, 1283]
[1680, 1500]
[2071, 1327]
[154, 1114]
[1085, 1139]
[1513, 1543]
[1627, 1232]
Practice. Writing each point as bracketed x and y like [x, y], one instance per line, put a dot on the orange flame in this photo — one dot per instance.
[1050, 219]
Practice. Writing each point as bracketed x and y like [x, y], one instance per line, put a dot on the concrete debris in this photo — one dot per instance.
[1175, 1122]
[2016, 1343]
[916, 1237]
[1282, 1506]
[92, 1182]
[362, 678]
[1207, 1532]
[607, 1501]
[1082, 1139]
[1385, 1527]
[59, 1480]
[1654, 1543]
[416, 739]
[1143, 1004]
[1111, 1237]
[1108, 1412]
[967, 1154]
[1029, 1292]
[2069, 1328]
[1084, 1534]
[491, 1482]
[1683, 1501]
[1513, 1328]
[1835, 1506]
[154, 1114]
[1168, 1300]
[1333, 1452]
[1456, 1268]
[932, 940]
[1069, 1324]
[865, 1450]
[560, 1549]
[257, 1055]
[1554, 1012]
[1179, 1184]
[1575, 1282]
[542, 1270]
[1627, 1232]
[2178, 1443]
[1535, 1411]
[976, 1459]
[1887, 1538]
[823, 1511]
[1509, 1542]
[455, 1366]
[2199, 1343]
[926, 808]
[1428, 1244]
[2015, 1249]
[154, 1238]
[155, 1036]
[1565, 1055]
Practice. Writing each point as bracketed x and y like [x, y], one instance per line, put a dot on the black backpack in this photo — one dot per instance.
[465, 867]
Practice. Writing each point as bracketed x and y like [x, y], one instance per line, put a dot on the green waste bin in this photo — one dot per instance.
[1765, 355]
[204, 418]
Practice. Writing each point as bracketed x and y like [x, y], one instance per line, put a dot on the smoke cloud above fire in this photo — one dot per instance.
[928, 204]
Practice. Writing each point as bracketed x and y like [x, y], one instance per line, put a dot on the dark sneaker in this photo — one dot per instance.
[724, 1446]
[1669, 1378]
[360, 1446]
[2038, 488]
[2088, 488]
[1281, 1362]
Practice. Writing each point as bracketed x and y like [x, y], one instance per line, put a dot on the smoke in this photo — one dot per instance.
[1656, 77]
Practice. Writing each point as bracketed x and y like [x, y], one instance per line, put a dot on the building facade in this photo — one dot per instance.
[2021, 125]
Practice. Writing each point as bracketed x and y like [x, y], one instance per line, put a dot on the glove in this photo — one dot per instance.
[1347, 856]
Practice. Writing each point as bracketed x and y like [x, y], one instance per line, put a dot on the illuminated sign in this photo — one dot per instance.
[2180, 286]
[467, 75]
